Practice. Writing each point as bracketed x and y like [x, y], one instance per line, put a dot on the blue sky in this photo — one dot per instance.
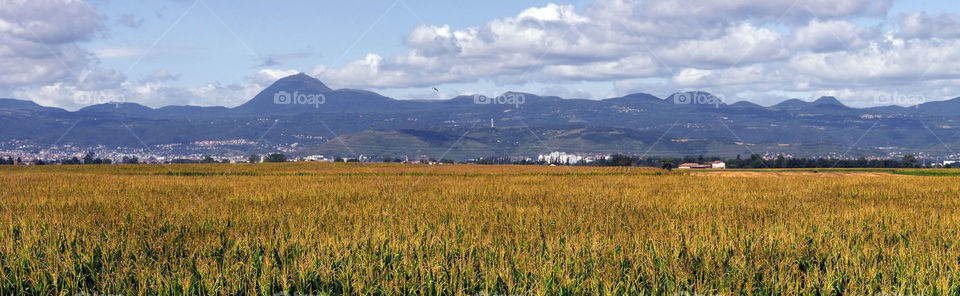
[296, 34]
[210, 52]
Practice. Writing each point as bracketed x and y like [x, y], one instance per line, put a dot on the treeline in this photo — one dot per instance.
[781, 162]
[755, 161]
[10, 161]
[91, 158]
[88, 158]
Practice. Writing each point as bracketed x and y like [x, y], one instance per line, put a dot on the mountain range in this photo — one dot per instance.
[300, 115]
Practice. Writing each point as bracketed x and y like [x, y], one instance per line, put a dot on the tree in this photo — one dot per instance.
[88, 158]
[667, 164]
[275, 157]
[781, 162]
[909, 161]
[621, 160]
[735, 163]
[208, 159]
[130, 160]
[254, 158]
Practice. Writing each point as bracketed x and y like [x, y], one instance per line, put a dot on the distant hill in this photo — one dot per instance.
[302, 110]
[14, 104]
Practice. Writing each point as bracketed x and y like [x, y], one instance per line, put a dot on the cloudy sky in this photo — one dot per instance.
[69, 53]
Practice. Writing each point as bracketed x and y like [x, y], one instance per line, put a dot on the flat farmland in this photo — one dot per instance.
[466, 229]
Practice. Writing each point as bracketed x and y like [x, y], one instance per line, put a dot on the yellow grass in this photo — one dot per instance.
[390, 229]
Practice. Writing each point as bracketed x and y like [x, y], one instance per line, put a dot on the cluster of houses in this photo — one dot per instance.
[558, 157]
[704, 166]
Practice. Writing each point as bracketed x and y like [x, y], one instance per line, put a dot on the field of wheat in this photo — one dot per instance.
[488, 230]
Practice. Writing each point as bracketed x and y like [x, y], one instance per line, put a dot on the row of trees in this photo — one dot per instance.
[91, 158]
[10, 161]
[755, 161]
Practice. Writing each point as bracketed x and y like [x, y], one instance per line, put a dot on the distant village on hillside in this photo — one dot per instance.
[68, 155]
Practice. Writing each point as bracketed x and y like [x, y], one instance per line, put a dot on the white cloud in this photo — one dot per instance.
[118, 52]
[920, 25]
[632, 66]
[743, 44]
[553, 13]
[895, 61]
[39, 40]
[738, 10]
[752, 49]
[275, 74]
[761, 48]
[162, 76]
[822, 36]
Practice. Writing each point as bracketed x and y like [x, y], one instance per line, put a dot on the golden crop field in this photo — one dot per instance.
[487, 230]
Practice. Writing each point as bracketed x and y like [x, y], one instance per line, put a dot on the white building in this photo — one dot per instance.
[317, 158]
[559, 157]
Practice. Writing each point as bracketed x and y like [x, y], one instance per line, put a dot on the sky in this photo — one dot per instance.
[73, 53]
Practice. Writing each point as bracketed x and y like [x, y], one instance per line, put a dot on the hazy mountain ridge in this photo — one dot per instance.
[675, 124]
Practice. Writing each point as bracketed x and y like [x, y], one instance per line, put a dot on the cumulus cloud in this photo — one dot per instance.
[39, 40]
[162, 76]
[609, 40]
[823, 36]
[553, 13]
[512, 49]
[921, 25]
[741, 44]
[895, 61]
[153, 91]
[738, 47]
[750, 49]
